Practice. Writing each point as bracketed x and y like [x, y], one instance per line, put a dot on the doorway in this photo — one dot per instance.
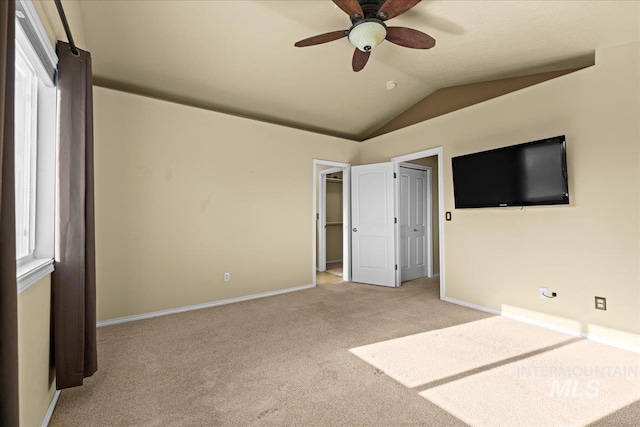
[330, 221]
[415, 221]
[331, 198]
[433, 159]
[371, 235]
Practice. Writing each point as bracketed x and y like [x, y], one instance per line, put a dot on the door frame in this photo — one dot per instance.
[322, 217]
[346, 216]
[438, 152]
[428, 215]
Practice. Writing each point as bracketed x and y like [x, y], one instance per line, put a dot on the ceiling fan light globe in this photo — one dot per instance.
[366, 35]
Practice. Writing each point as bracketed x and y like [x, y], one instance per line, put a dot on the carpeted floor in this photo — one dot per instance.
[286, 360]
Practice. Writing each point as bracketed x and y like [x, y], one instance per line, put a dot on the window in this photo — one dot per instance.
[26, 132]
[35, 132]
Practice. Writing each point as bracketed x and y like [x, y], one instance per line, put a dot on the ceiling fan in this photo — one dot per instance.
[368, 28]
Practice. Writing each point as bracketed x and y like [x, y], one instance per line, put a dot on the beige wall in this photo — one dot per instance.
[184, 195]
[37, 380]
[499, 257]
[435, 206]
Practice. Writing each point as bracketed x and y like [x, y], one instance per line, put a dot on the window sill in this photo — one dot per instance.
[33, 271]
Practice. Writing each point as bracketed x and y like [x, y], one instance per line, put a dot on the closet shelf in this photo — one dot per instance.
[334, 223]
[334, 179]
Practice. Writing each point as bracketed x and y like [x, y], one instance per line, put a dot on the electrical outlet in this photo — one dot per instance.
[601, 303]
[543, 292]
[227, 277]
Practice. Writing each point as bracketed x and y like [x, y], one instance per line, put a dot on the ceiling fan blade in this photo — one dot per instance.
[393, 8]
[409, 37]
[360, 59]
[322, 38]
[351, 7]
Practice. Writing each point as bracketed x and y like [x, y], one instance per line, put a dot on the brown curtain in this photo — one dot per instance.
[8, 288]
[74, 278]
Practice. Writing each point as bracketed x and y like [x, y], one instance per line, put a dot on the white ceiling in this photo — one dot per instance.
[238, 56]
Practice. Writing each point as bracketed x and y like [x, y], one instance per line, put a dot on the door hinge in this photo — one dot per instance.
[396, 266]
[394, 175]
[317, 217]
[395, 220]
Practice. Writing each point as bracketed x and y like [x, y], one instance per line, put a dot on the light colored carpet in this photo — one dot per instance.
[282, 360]
[499, 372]
[571, 385]
[430, 356]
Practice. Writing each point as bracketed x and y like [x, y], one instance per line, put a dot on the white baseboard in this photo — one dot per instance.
[568, 331]
[199, 306]
[52, 406]
[612, 343]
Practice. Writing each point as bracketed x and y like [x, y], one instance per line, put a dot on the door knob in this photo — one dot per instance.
[355, 229]
[415, 229]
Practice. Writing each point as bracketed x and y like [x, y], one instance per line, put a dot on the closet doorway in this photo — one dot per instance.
[415, 221]
[331, 225]
[431, 161]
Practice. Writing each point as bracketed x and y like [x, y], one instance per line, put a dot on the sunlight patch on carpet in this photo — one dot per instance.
[419, 359]
[572, 385]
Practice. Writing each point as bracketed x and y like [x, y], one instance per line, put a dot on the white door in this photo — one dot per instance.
[372, 222]
[412, 221]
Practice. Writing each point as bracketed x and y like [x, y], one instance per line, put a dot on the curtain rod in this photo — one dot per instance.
[65, 24]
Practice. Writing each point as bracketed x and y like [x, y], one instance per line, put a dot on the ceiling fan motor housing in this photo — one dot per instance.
[367, 34]
[370, 9]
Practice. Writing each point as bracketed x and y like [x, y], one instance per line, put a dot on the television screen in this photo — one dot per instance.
[534, 173]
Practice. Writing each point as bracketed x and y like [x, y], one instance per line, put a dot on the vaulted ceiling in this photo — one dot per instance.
[239, 57]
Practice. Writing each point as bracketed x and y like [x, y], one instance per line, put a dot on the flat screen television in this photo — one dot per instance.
[534, 173]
